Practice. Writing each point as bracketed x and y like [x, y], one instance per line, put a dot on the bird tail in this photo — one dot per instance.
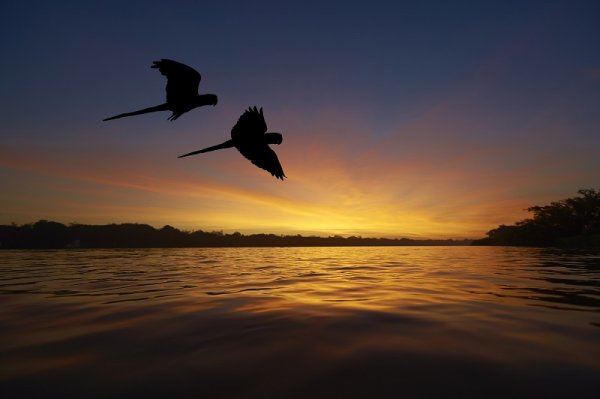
[227, 144]
[162, 107]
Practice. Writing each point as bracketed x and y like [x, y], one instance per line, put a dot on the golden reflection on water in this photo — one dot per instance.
[384, 278]
[308, 316]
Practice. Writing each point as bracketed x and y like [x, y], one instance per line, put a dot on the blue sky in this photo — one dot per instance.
[409, 119]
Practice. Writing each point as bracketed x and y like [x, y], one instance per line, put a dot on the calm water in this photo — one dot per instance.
[300, 322]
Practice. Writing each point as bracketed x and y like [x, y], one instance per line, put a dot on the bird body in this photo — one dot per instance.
[250, 137]
[182, 91]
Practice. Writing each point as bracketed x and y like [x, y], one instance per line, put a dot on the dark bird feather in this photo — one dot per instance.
[250, 137]
[182, 91]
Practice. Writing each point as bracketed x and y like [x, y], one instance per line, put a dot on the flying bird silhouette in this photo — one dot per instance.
[182, 91]
[250, 137]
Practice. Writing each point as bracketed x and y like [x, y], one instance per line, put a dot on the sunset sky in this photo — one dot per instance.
[438, 119]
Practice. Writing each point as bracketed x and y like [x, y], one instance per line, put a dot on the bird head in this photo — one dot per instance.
[206, 99]
[274, 138]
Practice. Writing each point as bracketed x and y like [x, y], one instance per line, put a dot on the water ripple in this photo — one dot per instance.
[288, 322]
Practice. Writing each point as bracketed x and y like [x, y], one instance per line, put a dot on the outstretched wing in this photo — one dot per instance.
[262, 156]
[248, 134]
[182, 80]
[249, 126]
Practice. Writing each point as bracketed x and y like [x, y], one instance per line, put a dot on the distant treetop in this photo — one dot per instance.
[569, 222]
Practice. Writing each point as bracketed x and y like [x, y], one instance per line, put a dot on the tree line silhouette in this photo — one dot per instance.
[571, 222]
[45, 234]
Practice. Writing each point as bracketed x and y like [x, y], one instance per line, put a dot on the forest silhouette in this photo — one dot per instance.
[571, 222]
[45, 234]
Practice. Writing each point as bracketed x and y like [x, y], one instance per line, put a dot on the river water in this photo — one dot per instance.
[372, 322]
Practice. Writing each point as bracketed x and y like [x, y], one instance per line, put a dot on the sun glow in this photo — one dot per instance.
[327, 196]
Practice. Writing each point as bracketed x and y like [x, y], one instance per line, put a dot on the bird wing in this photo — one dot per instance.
[182, 80]
[249, 126]
[262, 156]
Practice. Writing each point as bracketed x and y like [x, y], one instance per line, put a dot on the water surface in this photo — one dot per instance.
[300, 322]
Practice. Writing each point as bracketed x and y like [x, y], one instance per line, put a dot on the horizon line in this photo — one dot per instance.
[241, 231]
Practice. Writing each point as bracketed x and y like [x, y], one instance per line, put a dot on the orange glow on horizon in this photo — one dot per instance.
[408, 183]
[300, 205]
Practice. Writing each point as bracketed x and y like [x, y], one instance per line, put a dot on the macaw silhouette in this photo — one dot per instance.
[250, 137]
[182, 91]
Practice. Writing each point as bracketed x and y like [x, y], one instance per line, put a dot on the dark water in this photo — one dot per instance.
[300, 323]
